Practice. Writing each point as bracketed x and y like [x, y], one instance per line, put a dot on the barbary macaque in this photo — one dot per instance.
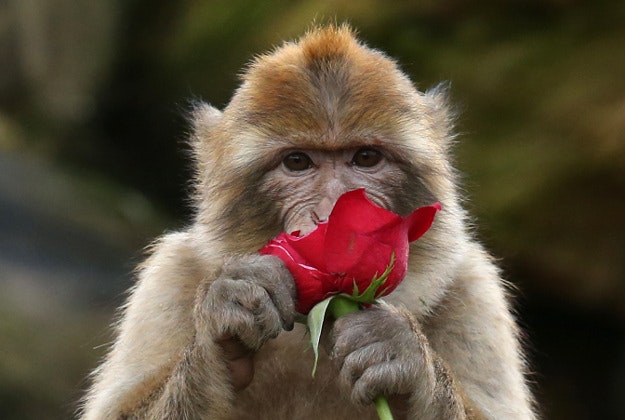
[208, 330]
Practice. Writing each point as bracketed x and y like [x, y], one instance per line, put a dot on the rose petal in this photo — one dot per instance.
[372, 264]
[310, 287]
[354, 212]
[420, 220]
[343, 252]
[310, 246]
[311, 283]
[353, 230]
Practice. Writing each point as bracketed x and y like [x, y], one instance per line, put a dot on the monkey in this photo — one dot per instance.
[208, 329]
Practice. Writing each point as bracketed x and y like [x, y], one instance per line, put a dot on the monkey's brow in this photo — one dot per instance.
[333, 141]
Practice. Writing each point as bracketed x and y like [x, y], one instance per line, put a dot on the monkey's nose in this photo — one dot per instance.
[317, 219]
[322, 210]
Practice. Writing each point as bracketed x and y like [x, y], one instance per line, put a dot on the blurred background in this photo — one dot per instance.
[93, 165]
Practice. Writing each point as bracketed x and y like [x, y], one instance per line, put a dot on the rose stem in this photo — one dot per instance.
[383, 409]
[338, 307]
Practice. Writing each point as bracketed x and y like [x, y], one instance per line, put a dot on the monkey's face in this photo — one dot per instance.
[310, 122]
[306, 183]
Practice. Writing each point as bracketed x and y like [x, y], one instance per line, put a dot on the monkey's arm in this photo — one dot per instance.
[474, 332]
[156, 343]
[167, 361]
[461, 362]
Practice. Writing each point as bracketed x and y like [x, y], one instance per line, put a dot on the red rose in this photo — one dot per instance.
[355, 245]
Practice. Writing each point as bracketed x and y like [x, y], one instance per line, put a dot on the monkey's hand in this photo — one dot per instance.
[250, 302]
[381, 351]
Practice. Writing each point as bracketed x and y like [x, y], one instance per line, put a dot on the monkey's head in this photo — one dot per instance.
[311, 120]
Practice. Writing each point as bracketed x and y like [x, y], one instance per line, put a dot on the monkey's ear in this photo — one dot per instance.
[441, 113]
[205, 120]
[204, 117]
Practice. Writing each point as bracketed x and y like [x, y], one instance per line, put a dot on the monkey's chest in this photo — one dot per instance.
[283, 385]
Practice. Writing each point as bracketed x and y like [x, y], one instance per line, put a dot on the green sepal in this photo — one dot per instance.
[371, 292]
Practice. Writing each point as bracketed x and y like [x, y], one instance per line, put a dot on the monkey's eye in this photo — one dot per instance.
[366, 157]
[297, 161]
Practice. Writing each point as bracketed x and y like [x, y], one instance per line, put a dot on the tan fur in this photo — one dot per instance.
[326, 92]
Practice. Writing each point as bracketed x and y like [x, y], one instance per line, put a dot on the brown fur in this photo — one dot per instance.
[327, 94]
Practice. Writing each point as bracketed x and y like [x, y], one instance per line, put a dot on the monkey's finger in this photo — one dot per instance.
[260, 319]
[241, 372]
[280, 286]
[251, 316]
[239, 359]
[233, 348]
[269, 273]
[357, 362]
[353, 331]
[387, 379]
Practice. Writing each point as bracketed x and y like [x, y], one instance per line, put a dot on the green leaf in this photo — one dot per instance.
[316, 316]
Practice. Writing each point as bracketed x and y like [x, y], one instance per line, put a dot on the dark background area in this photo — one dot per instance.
[94, 165]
